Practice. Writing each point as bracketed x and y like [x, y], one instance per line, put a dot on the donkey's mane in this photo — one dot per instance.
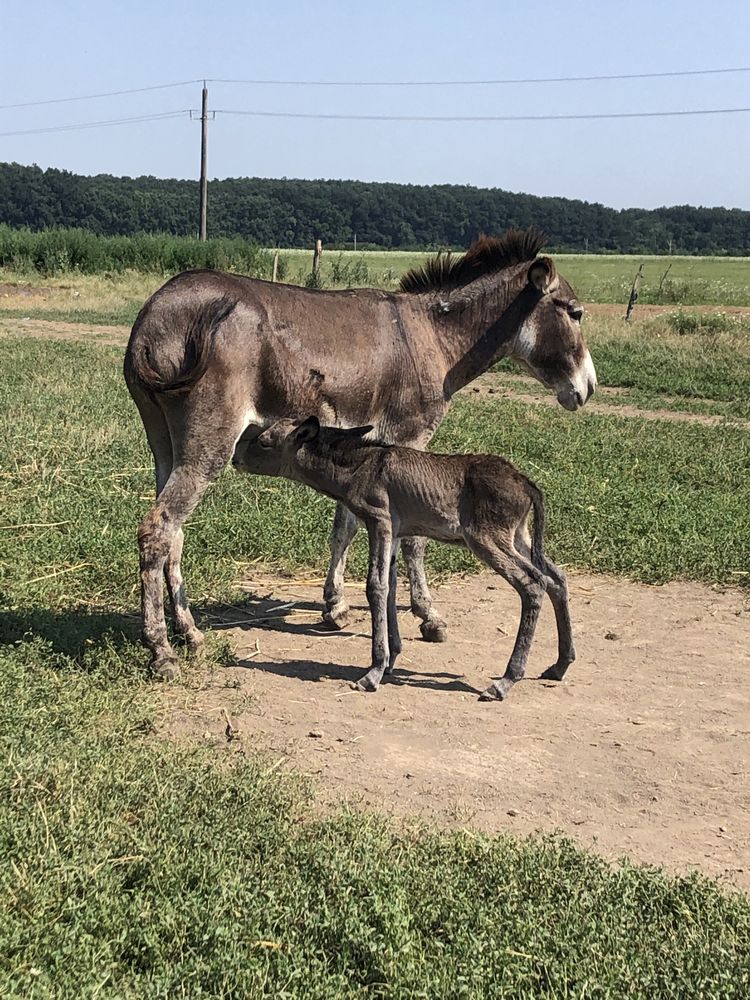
[486, 255]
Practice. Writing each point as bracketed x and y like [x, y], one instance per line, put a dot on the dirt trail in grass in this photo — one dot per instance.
[46, 329]
[644, 750]
[513, 387]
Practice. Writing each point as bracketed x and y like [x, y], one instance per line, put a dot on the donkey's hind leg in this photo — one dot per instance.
[158, 532]
[184, 622]
[530, 585]
[197, 463]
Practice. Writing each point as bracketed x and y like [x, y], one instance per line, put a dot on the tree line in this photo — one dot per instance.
[294, 213]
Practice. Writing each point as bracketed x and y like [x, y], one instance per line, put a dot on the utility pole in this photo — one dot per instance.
[204, 156]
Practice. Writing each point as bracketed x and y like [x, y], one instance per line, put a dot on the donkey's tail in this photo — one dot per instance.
[151, 354]
[537, 536]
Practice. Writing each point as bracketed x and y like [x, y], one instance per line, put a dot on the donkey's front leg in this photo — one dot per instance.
[344, 529]
[433, 628]
[377, 597]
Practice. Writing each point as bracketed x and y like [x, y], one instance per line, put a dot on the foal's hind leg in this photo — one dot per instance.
[557, 588]
[530, 584]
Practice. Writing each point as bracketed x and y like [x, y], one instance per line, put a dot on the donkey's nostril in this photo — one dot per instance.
[579, 399]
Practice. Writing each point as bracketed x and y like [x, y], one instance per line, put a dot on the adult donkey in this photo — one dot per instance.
[213, 357]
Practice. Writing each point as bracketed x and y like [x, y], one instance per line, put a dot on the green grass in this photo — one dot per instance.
[131, 867]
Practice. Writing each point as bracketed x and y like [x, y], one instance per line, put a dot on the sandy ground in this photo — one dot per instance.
[642, 751]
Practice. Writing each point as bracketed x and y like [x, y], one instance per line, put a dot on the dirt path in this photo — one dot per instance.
[47, 329]
[643, 751]
[512, 387]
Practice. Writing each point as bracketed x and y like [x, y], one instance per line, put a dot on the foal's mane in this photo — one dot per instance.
[486, 255]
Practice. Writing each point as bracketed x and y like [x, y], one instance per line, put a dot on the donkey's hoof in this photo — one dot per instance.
[337, 618]
[556, 672]
[434, 630]
[195, 642]
[166, 668]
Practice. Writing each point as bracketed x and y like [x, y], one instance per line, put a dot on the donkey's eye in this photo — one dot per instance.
[575, 309]
[264, 444]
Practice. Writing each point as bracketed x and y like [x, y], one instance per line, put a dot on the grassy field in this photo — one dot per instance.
[595, 277]
[133, 867]
[116, 296]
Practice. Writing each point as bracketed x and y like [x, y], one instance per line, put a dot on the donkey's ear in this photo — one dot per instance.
[308, 430]
[542, 274]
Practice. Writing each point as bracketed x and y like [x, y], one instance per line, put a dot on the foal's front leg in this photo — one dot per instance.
[394, 636]
[378, 575]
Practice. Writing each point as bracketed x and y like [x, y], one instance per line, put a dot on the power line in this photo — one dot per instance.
[486, 83]
[384, 83]
[91, 97]
[159, 116]
[484, 118]
[165, 115]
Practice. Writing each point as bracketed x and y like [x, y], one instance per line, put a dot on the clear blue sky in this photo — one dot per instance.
[65, 49]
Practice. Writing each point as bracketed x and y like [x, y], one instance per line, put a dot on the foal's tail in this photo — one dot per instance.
[189, 332]
[537, 537]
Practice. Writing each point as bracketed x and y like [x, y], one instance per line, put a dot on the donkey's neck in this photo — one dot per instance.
[476, 325]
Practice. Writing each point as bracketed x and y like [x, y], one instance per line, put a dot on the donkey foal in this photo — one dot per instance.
[480, 501]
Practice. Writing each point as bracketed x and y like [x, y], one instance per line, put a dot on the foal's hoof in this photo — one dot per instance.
[434, 630]
[337, 618]
[491, 694]
[366, 683]
[166, 668]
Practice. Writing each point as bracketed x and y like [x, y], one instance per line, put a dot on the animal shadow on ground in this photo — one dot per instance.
[75, 632]
[267, 613]
[69, 631]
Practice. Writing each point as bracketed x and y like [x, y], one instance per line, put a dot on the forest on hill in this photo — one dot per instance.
[294, 213]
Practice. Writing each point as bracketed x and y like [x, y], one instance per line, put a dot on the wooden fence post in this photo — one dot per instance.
[275, 266]
[316, 260]
[634, 292]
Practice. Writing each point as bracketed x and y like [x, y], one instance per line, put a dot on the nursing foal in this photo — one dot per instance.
[479, 501]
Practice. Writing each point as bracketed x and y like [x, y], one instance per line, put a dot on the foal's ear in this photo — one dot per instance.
[356, 432]
[542, 274]
[308, 430]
